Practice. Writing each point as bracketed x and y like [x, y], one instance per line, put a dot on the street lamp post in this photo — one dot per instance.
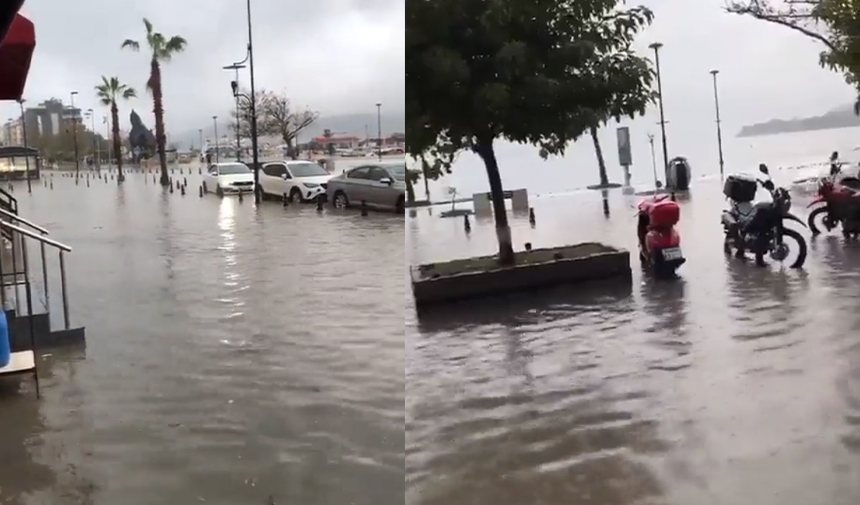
[379, 130]
[719, 129]
[656, 47]
[96, 145]
[24, 135]
[75, 136]
[217, 146]
[200, 132]
[257, 194]
[237, 67]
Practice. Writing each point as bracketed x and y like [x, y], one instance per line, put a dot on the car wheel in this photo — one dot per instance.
[219, 191]
[205, 189]
[263, 195]
[340, 200]
[296, 195]
[401, 204]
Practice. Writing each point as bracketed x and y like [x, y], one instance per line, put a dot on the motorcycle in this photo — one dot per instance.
[837, 203]
[759, 227]
[659, 242]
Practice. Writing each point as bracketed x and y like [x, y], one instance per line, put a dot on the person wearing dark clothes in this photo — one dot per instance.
[835, 166]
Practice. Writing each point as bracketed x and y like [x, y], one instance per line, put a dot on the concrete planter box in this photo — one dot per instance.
[466, 278]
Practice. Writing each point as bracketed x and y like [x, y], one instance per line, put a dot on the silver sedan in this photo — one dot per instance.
[376, 185]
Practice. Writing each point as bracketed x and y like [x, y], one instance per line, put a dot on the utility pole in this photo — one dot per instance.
[379, 130]
[24, 135]
[719, 129]
[656, 47]
[75, 137]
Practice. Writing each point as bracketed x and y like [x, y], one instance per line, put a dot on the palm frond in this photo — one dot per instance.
[148, 25]
[130, 44]
[129, 93]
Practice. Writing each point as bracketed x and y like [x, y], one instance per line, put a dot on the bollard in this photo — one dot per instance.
[76, 181]
[105, 180]
[240, 197]
[178, 185]
[286, 200]
[185, 181]
[319, 203]
[199, 170]
[182, 190]
[171, 189]
[363, 208]
[170, 180]
[172, 171]
[201, 191]
[153, 179]
[180, 171]
[532, 216]
[466, 224]
[52, 184]
[88, 182]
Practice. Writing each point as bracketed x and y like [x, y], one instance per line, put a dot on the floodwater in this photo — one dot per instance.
[235, 355]
[733, 385]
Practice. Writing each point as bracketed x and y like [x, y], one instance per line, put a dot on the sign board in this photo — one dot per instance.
[625, 156]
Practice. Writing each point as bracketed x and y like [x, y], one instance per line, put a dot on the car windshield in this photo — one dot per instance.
[233, 168]
[399, 171]
[307, 170]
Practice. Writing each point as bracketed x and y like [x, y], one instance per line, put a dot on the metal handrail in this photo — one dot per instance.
[35, 236]
[21, 220]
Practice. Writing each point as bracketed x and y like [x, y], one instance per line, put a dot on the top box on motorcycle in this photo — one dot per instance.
[663, 214]
[740, 188]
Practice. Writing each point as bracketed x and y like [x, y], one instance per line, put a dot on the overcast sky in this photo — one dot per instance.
[335, 56]
[342, 56]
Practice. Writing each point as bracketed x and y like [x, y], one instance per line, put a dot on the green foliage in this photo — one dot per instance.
[833, 23]
[530, 71]
[111, 90]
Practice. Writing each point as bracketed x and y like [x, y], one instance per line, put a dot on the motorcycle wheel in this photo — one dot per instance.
[801, 246]
[813, 216]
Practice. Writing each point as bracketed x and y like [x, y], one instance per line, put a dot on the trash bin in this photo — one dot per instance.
[5, 346]
[679, 174]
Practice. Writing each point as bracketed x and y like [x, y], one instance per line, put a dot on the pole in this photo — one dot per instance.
[257, 194]
[379, 130]
[656, 47]
[217, 145]
[200, 132]
[24, 134]
[653, 159]
[719, 129]
[75, 135]
[238, 124]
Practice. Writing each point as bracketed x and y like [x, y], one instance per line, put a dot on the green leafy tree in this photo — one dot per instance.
[162, 49]
[835, 24]
[109, 92]
[529, 71]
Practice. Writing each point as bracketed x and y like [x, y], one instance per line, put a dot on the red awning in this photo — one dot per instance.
[16, 51]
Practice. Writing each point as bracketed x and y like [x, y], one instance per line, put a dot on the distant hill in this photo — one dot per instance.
[842, 117]
[345, 124]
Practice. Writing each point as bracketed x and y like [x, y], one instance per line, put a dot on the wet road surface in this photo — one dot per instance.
[233, 355]
[734, 385]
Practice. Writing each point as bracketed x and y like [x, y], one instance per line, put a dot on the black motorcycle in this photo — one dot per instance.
[759, 227]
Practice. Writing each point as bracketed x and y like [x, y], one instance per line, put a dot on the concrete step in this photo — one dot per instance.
[45, 337]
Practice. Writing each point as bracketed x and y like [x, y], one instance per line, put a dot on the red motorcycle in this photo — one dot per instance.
[659, 242]
[838, 202]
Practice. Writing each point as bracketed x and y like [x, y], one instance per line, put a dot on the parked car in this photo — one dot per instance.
[300, 180]
[381, 186]
[232, 177]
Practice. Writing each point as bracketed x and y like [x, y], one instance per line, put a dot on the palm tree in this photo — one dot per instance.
[162, 50]
[108, 92]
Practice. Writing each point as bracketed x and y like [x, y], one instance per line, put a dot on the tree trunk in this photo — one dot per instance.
[117, 143]
[426, 181]
[601, 164]
[485, 150]
[410, 188]
[158, 111]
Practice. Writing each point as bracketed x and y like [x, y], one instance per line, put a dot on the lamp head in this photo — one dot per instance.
[235, 87]
[656, 45]
[715, 72]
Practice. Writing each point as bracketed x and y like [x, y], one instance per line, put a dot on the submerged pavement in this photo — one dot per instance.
[734, 385]
[234, 355]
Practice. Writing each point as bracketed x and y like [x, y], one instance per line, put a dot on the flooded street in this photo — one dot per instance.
[235, 356]
[734, 385]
